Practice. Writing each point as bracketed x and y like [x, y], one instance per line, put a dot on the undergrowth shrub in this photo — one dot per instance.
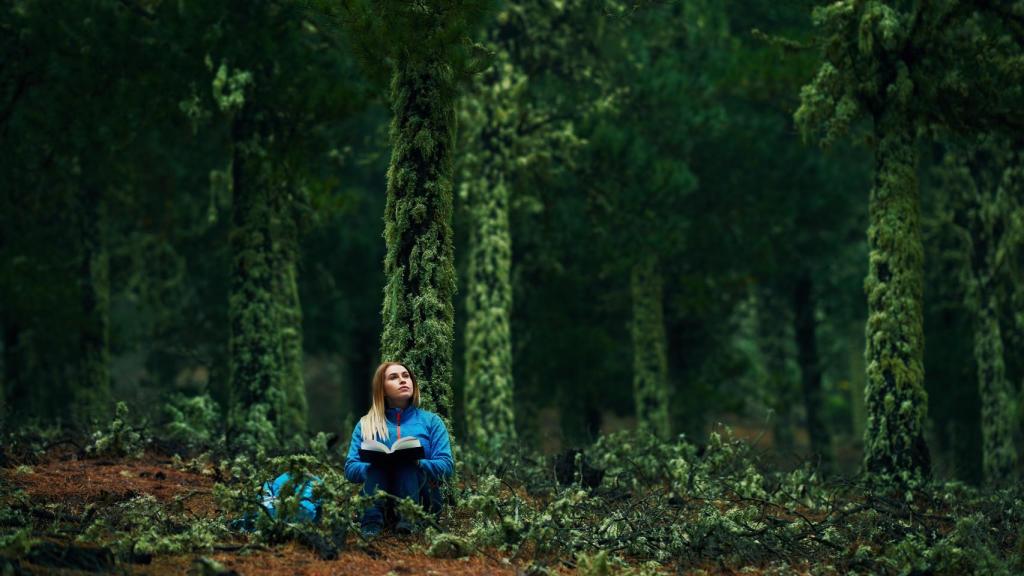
[655, 505]
[144, 526]
[119, 439]
[688, 505]
[194, 421]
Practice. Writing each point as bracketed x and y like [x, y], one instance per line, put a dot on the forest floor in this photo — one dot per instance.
[67, 492]
[62, 512]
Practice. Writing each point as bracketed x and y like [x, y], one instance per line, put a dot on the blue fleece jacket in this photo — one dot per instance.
[411, 421]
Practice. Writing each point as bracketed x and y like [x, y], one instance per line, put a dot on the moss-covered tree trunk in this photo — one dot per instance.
[255, 362]
[289, 310]
[420, 264]
[490, 417]
[91, 390]
[650, 348]
[998, 405]
[805, 329]
[894, 446]
[988, 222]
[773, 334]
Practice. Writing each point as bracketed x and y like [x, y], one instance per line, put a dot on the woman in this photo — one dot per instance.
[395, 414]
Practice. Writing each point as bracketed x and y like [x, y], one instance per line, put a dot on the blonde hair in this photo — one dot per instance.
[374, 421]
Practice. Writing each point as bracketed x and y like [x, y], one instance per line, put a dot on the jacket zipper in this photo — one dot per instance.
[399, 424]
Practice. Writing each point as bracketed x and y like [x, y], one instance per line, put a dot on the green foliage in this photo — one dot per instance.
[145, 526]
[195, 421]
[16, 543]
[241, 496]
[686, 505]
[119, 439]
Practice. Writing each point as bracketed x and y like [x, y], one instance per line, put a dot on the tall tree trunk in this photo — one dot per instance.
[773, 335]
[650, 348]
[490, 419]
[286, 292]
[255, 344]
[419, 265]
[998, 406]
[92, 388]
[804, 327]
[895, 451]
[986, 218]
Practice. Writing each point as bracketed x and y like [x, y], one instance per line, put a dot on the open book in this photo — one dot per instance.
[404, 451]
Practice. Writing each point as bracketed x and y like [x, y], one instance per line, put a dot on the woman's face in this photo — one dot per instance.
[397, 386]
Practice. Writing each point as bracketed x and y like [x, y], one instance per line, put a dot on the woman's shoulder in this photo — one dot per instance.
[431, 417]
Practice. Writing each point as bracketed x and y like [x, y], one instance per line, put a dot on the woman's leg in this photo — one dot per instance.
[410, 481]
[376, 477]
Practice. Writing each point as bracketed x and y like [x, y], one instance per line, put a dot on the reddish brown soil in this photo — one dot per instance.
[73, 483]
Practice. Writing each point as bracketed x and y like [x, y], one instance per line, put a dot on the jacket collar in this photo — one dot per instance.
[392, 413]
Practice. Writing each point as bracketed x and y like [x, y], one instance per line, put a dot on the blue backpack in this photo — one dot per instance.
[309, 507]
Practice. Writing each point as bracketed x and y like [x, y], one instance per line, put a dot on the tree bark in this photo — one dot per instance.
[419, 266]
[805, 330]
[255, 344]
[289, 309]
[490, 417]
[895, 451]
[650, 349]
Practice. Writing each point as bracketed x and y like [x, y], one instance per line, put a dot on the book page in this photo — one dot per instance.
[374, 445]
[407, 442]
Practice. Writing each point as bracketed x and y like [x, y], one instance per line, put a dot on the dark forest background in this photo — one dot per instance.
[676, 248]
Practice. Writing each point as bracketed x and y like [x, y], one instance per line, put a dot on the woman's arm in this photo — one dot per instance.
[440, 464]
[355, 469]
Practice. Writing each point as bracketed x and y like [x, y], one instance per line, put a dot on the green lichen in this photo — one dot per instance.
[490, 117]
[255, 341]
[894, 445]
[420, 264]
[650, 359]
[229, 88]
[289, 314]
[489, 400]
